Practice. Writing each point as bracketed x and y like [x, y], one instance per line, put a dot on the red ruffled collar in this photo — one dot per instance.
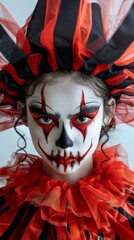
[90, 198]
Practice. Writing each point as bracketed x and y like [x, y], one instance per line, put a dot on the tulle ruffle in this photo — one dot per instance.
[92, 199]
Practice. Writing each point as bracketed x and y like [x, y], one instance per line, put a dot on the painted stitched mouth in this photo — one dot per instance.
[66, 159]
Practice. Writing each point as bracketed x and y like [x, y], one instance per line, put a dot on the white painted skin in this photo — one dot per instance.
[64, 97]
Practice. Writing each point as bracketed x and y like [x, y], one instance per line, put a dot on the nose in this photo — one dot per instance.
[64, 141]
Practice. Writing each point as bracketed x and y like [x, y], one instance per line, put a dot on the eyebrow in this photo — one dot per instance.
[91, 103]
[37, 110]
[87, 109]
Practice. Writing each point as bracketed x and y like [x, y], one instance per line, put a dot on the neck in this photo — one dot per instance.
[72, 177]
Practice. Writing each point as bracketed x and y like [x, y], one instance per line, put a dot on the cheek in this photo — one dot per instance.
[47, 129]
[45, 126]
[47, 136]
[82, 129]
[36, 131]
[93, 132]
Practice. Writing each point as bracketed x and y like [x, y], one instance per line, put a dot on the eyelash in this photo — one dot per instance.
[39, 117]
[74, 121]
[42, 118]
[80, 117]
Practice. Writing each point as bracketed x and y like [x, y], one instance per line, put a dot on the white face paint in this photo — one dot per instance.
[65, 120]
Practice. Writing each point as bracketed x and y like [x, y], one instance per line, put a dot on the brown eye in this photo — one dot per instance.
[82, 119]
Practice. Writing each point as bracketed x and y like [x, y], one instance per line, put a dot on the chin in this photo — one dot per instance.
[61, 169]
[69, 169]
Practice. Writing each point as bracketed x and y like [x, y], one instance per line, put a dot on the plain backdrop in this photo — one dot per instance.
[21, 9]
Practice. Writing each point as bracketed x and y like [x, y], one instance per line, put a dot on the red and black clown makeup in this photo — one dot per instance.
[65, 124]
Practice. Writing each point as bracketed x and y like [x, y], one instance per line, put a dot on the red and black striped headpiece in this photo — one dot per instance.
[91, 36]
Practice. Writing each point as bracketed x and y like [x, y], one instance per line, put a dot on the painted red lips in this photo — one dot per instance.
[66, 159]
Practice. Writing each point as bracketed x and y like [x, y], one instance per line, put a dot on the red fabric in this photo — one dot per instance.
[17, 33]
[124, 114]
[127, 57]
[49, 24]
[8, 116]
[82, 31]
[11, 70]
[88, 204]
[33, 62]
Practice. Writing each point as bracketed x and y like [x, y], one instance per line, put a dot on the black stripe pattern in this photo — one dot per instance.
[36, 26]
[67, 19]
[27, 212]
[8, 48]
[118, 43]
[103, 53]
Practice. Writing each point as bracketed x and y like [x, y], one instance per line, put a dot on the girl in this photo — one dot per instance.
[78, 188]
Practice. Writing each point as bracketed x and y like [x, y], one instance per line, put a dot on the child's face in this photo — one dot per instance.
[65, 120]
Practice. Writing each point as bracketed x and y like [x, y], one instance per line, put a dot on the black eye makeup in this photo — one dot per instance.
[89, 109]
[83, 119]
[80, 120]
[45, 120]
[37, 111]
